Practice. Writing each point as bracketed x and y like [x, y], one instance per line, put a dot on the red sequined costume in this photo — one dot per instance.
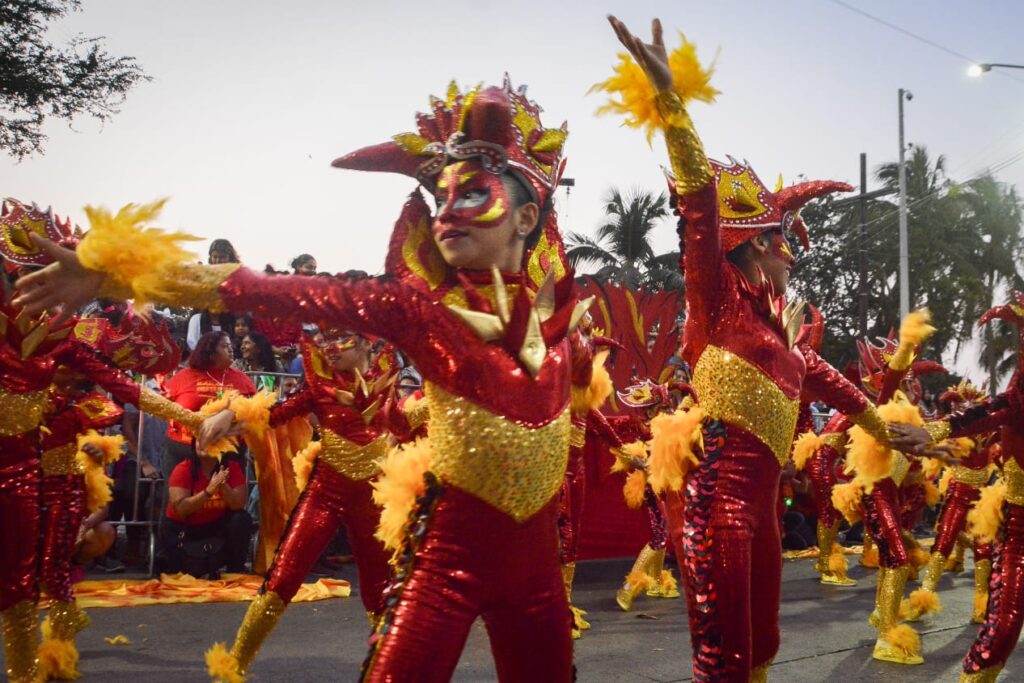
[64, 503]
[351, 410]
[1002, 626]
[632, 436]
[749, 378]
[29, 356]
[966, 481]
[482, 539]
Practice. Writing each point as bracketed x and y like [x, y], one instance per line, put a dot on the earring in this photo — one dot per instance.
[521, 234]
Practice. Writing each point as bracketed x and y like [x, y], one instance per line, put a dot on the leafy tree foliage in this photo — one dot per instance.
[622, 249]
[39, 79]
[965, 245]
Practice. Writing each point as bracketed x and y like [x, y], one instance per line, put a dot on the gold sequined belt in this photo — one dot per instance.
[515, 468]
[349, 458]
[60, 461]
[900, 467]
[733, 390]
[975, 478]
[1014, 481]
[20, 413]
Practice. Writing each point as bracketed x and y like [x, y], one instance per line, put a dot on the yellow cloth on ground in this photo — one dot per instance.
[172, 588]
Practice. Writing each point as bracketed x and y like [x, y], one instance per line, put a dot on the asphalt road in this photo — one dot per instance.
[825, 636]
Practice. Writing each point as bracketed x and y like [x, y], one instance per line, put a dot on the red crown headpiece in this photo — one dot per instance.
[963, 393]
[746, 207]
[137, 345]
[499, 127]
[644, 394]
[1012, 312]
[18, 220]
[873, 362]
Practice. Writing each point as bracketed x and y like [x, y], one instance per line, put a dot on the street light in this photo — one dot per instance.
[975, 70]
[904, 249]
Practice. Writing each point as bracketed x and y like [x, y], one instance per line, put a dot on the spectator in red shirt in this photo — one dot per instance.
[209, 374]
[206, 525]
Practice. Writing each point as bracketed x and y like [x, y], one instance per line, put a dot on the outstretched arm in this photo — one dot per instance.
[702, 261]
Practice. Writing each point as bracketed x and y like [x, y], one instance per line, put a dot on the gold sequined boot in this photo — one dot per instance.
[831, 564]
[925, 600]
[58, 657]
[759, 674]
[982, 572]
[869, 558]
[260, 619]
[988, 675]
[21, 642]
[897, 643]
[663, 584]
[636, 581]
[955, 562]
[579, 624]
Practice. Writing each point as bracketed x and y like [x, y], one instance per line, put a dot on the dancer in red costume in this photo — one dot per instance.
[492, 347]
[31, 349]
[748, 376]
[648, 571]
[878, 473]
[1002, 626]
[351, 405]
[967, 480]
[64, 508]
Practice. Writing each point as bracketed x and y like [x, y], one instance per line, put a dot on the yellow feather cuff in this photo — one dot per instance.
[805, 447]
[397, 488]
[914, 330]
[97, 483]
[677, 440]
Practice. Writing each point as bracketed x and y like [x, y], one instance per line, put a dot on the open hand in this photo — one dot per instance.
[218, 426]
[652, 57]
[909, 438]
[65, 284]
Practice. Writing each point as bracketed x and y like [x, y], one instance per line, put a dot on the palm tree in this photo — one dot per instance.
[623, 249]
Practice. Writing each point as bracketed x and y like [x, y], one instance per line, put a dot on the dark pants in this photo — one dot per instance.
[234, 528]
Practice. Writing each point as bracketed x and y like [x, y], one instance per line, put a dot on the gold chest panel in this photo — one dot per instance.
[20, 413]
[514, 468]
[349, 458]
[1014, 481]
[732, 390]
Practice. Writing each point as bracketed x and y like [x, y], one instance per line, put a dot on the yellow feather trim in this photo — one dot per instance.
[58, 660]
[837, 560]
[922, 602]
[631, 94]
[869, 460]
[870, 557]
[947, 476]
[633, 489]
[986, 515]
[918, 557]
[668, 582]
[302, 463]
[677, 438]
[97, 483]
[112, 447]
[931, 493]
[904, 638]
[914, 330]
[931, 468]
[222, 665]
[593, 396]
[133, 255]
[253, 410]
[846, 499]
[396, 489]
[638, 580]
[807, 444]
[624, 456]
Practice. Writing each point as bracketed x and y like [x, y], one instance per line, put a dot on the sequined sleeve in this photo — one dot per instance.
[153, 403]
[685, 150]
[298, 404]
[824, 383]
[988, 416]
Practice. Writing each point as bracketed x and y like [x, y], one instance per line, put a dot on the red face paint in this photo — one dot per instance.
[469, 197]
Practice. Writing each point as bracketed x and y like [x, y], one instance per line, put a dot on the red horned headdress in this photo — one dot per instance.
[499, 128]
[137, 345]
[18, 220]
[963, 394]
[746, 207]
[873, 364]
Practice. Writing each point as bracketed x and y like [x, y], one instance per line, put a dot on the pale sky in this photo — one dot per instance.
[250, 102]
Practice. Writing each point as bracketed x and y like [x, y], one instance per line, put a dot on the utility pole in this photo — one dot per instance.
[862, 295]
[904, 249]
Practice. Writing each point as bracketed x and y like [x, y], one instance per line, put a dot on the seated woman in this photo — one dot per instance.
[206, 526]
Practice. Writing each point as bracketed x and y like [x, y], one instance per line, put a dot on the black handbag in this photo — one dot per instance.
[202, 556]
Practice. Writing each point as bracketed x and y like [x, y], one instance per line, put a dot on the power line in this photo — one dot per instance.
[916, 37]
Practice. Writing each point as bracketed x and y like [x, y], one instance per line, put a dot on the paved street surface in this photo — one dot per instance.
[825, 637]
